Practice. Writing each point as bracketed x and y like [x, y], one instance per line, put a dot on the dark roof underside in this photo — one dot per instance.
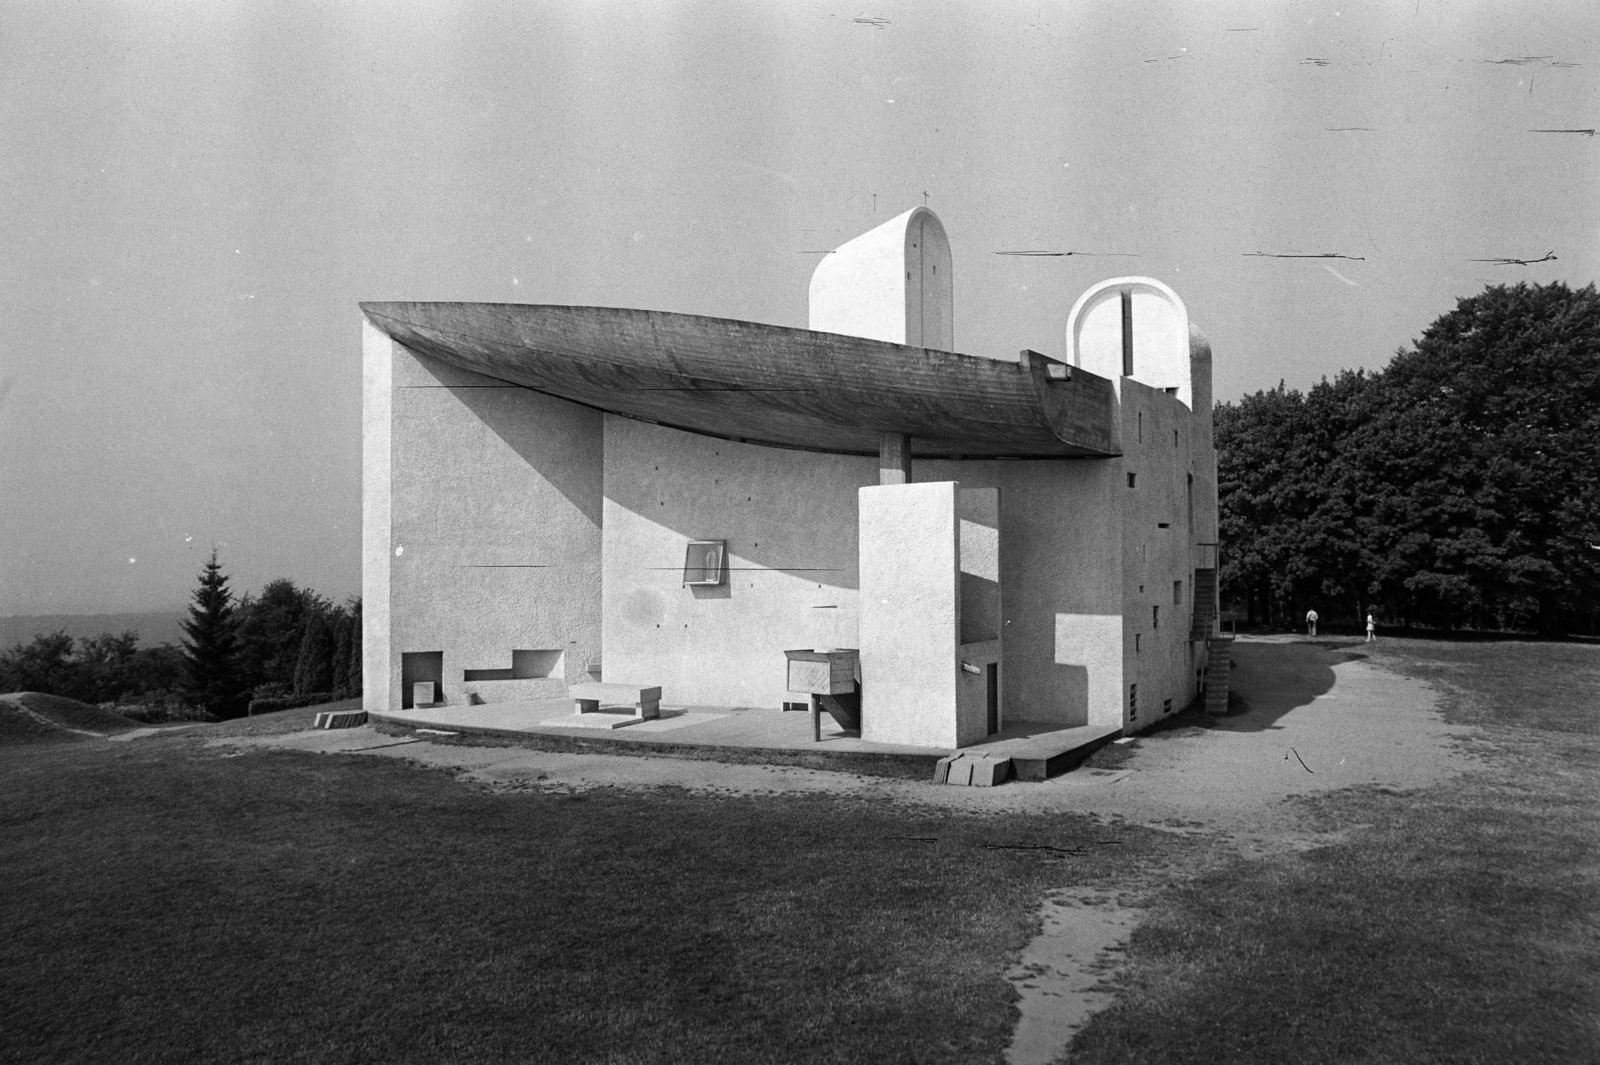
[766, 384]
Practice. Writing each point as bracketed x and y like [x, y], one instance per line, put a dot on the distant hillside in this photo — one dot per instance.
[153, 629]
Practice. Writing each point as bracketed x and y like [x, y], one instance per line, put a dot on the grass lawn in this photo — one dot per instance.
[167, 902]
[1460, 923]
[164, 902]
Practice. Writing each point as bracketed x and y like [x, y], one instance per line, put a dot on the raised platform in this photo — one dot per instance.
[1050, 753]
[736, 734]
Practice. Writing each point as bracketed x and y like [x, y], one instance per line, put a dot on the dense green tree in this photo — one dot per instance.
[1457, 486]
[355, 666]
[45, 665]
[272, 627]
[314, 671]
[211, 652]
[343, 633]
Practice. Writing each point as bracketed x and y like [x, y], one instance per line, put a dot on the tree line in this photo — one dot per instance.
[285, 646]
[1459, 487]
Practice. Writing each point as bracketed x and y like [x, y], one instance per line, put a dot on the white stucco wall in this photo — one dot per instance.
[910, 614]
[1160, 334]
[1061, 584]
[494, 539]
[377, 389]
[789, 521]
[891, 283]
[1159, 447]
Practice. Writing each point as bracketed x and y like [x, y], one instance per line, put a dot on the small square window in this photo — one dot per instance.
[702, 565]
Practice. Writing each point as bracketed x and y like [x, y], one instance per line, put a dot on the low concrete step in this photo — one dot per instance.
[1052, 753]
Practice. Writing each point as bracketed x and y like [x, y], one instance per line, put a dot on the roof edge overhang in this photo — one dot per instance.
[770, 385]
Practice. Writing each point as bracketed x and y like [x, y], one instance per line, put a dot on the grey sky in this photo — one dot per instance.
[199, 194]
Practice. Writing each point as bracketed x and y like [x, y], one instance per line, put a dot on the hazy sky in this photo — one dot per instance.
[198, 195]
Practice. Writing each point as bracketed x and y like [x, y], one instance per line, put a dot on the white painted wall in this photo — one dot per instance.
[495, 510]
[1160, 334]
[377, 390]
[910, 614]
[789, 520]
[1159, 659]
[891, 283]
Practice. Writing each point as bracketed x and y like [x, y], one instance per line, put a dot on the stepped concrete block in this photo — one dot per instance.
[988, 771]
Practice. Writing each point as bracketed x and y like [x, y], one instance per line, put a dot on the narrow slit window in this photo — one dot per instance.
[1127, 333]
[1133, 700]
[1155, 617]
[1133, 479]
[1177, 593]
[702, 565]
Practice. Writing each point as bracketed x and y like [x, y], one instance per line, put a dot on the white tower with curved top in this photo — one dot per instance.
[1133, 327]
[891, 283]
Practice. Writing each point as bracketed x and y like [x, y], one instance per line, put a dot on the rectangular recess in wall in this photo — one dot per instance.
[419, 667]
[525, 665]
[702, 563]
[1177, 593]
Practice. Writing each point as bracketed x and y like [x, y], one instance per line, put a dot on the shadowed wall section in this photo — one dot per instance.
[494, 507]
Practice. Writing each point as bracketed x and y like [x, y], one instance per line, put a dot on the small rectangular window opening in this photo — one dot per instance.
[1177, 593]
[1132, 479]
[1155, 617]
[1136, 642]
[702, 564]
[1166, 706]
[1133, 701]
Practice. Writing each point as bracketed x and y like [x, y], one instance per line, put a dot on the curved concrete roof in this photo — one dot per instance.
[767, 384]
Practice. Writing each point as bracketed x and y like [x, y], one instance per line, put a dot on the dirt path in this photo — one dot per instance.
[1318, 718]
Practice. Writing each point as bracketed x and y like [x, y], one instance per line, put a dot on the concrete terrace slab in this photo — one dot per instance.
[744, 733]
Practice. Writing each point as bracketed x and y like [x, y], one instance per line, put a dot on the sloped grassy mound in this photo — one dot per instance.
[33, 717]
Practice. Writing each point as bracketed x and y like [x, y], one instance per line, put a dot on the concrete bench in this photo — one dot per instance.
[590, 697]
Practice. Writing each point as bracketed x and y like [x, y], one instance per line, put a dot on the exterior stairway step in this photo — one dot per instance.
[1219, 665]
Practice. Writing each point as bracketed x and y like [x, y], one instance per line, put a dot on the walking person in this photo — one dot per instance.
[1311, 622]
[1372, 628]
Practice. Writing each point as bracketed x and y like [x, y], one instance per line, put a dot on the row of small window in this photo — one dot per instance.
[1133, 703]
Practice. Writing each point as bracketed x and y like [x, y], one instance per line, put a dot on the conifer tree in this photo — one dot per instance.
[211, 656]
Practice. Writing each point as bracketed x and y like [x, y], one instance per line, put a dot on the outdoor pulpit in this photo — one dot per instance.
[832, 678]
